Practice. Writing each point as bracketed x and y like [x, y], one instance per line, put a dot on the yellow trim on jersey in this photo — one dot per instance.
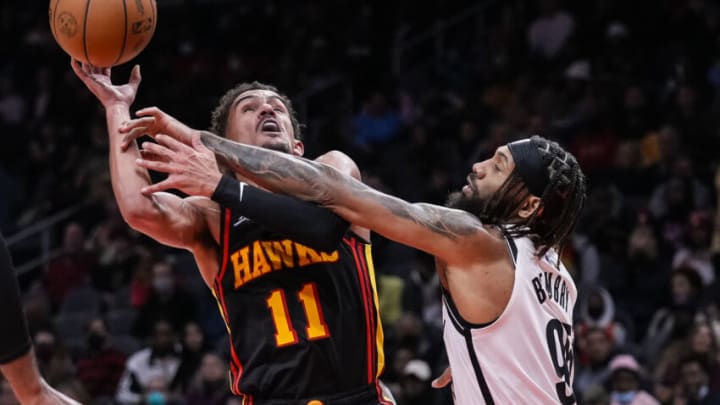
[222, 313]
[379, 337]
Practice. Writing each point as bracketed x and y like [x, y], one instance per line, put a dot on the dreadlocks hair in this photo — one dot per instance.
[560, 204]
[219, 120]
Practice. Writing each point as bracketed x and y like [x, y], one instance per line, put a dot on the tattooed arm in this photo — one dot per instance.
[449, 234]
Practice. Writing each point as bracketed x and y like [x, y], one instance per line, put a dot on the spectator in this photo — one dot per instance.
[159, 362]
[118, 256]
[102, 366]
[700, 343]
[598, 311]
[194, 348]
[695, 251]
[672, 322]
[377, 123]
[673, 200]
[209, 386]
[646, 270]
[625, 374]
[415, 384]
[595, 351]
[72, 268]
[693, 386]
[53, 360]
[167, 300]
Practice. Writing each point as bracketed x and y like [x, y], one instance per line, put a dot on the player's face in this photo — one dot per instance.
[484, 180]
[487, 176]
[260, 118]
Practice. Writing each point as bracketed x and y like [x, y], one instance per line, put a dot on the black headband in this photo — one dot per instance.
[529, 165]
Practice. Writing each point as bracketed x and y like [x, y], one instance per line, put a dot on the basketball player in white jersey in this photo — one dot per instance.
[508, 301]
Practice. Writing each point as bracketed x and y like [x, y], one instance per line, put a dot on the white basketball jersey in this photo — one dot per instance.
[526, 355]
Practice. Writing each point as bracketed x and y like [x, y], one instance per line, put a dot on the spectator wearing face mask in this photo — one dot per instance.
[167, 300]
[625, 374]
[101, 367]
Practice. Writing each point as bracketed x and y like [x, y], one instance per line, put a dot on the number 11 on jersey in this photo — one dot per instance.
[308, 296]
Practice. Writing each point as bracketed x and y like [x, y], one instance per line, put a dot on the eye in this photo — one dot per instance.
[278, 110]
[497, 168]
[248, 108]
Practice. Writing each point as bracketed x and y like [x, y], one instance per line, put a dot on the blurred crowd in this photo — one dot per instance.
[630, 87]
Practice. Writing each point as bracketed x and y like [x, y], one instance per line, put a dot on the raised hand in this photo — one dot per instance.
[191, 169]
[153, 121]
[98, 81]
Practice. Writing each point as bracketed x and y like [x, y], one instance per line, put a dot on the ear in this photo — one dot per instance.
[298, 148]
[530, 205]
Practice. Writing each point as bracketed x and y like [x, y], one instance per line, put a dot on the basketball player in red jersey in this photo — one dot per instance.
[294, 284]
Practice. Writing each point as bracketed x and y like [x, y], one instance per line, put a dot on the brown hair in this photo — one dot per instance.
[218, 123]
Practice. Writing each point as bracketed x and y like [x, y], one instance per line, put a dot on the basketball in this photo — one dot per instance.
[103, 33]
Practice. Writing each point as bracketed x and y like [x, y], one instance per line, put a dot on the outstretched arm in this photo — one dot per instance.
[192, 168]
[165, 217]
[452, 235]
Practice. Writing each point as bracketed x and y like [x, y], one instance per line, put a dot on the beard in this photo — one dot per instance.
[473, 204]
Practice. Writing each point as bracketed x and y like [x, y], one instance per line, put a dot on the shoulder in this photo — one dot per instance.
[340, 161]
[345, 165]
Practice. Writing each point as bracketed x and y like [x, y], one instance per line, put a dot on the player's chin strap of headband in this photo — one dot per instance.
[529, 165]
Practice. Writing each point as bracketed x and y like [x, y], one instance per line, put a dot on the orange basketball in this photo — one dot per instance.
[103, 33]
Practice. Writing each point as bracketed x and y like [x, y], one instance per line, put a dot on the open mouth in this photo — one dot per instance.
[469, 188]
[269, 125]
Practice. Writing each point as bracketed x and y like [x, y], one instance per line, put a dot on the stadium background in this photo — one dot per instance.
[414, 92]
